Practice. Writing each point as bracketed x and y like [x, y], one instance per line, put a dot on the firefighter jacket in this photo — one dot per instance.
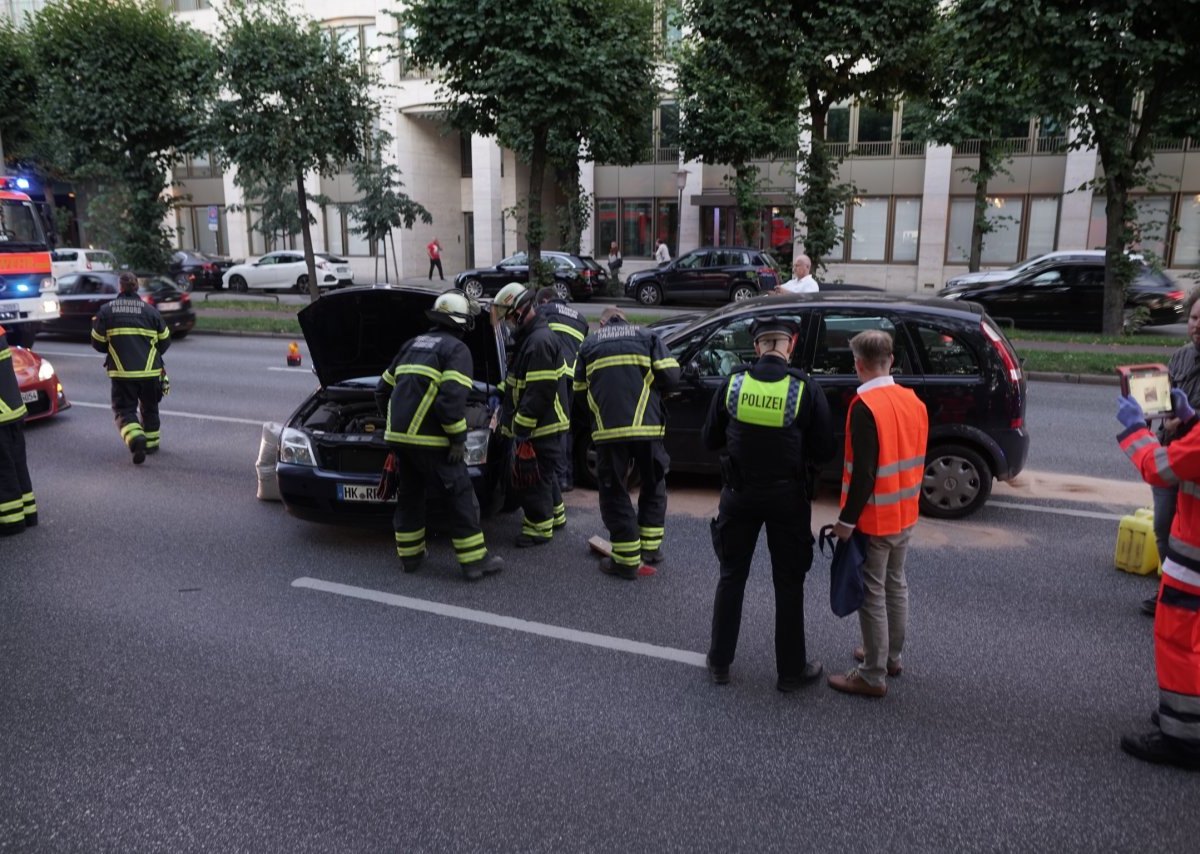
[774, 423]
[1177, 618]
[12, 408]
[133, 335]
[887, 429]
[625, 371]
[535, 389]
[424, 392]
[571, 326]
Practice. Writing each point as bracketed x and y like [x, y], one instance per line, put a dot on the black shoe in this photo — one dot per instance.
[653, 558]
[1161, 750]
[566, 486]
[719, 674]
[1149, 606]
[492, 565]
[412, 564]
[608, 567]
[525, 541]
[812, 672]
[138, 446]
[152, 449]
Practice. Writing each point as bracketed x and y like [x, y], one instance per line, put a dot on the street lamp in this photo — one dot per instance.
[681, 176]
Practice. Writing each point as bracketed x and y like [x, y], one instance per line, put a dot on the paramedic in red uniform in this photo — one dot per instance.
[1175, 736]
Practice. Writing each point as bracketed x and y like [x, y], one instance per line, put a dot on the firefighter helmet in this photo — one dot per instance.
[454, 308]
[511, 299]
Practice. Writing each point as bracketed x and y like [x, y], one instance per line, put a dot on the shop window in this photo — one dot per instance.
[1043, 227]
[1187, 239]
[1001, 245]
[606, 225]
[868, 229]
[906, 230]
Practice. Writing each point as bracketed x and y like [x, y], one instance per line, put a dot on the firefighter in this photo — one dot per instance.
[535, 393]
[572, 328]
[133, 336]
[424, 396]
[18, 510]
[771, 423]
[1175, 736]
[625, 371]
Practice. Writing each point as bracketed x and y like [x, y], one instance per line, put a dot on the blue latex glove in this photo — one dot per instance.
[1182, 406]
[1129, 412]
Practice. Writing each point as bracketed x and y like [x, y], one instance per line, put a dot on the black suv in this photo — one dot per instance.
[952, 355]
[574, 277]
[708, 274]
[1068, 293]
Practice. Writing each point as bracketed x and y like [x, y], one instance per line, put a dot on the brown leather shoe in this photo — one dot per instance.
[853, 683]
[894, 668]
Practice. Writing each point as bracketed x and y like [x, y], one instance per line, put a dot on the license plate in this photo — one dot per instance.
[168, 306]
[29, 397]
[357, 492]
[343, 269]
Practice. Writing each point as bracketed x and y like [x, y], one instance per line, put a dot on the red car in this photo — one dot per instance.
[40, 389]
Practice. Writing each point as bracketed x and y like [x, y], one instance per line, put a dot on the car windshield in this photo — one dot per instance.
[20, 226]
[161, 287]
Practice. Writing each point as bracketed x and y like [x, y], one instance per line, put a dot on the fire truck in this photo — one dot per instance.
[28, 294]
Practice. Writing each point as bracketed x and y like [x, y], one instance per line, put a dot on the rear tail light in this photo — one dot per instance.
[766, 271]
[147, 299]
[1175, 295]
[210, 268]
[1007, 356]
[588, 273]
[185, 299]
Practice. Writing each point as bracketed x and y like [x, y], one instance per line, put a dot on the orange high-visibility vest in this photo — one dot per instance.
[902, 425]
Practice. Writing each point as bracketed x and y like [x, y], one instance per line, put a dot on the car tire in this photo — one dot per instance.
[956, 483]
[237, 284]
[649, 293]
[742, 292]
[178, 336]
[473, 288]
[563, 290]
[302, 284]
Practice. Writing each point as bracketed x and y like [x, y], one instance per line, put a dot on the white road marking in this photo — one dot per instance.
[1059, 511]
[177, 414]
[292, 370]
[90, 354]
[650, 650]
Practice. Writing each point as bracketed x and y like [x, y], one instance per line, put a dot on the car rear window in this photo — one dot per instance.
[946, 353]
[64, 256]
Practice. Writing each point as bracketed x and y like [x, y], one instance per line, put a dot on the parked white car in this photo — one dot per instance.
[71, 259]
[286, 269]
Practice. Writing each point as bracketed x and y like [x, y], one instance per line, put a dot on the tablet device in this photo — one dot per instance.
[1150, 386]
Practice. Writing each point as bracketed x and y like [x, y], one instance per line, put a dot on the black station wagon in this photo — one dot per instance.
[951, 354]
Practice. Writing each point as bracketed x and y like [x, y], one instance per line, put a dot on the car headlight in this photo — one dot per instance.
[952, 295]
[477, 447]
[295, 448]
[45, 370]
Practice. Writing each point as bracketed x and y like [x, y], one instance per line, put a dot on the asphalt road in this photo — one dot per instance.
[169, 679]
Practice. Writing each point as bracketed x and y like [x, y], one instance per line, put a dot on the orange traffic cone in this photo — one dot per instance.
[293, 355]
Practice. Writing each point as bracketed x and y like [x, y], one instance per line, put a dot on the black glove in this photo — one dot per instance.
[458, 450]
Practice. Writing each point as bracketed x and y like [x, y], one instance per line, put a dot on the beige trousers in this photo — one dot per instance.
[883, 616]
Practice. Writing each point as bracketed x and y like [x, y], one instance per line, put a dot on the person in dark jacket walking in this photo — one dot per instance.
[771, 422]
[18, 510]
[424, 395]
[625, 371]
[133, 336]
[571, 328]
[535, 393]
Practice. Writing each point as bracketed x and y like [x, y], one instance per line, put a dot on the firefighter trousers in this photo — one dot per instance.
[542, 505]
[633, 533]
[18, 510]
[785, 511]
[425, 475]
[135, 405]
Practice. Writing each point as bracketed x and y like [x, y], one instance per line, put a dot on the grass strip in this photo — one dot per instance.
[1077, 363]
[246, 305]
[226, 323]
[1026, 335]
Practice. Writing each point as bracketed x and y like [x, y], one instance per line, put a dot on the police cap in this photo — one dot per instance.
[773, 326]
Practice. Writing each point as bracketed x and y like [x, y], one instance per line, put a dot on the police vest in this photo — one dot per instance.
[902, 425]
[765, 404]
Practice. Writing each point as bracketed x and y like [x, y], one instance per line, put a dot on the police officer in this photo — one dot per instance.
[571, 328]
[536, 408]
[424, 395]
[625, 371]
[133, 336]
[771, 422]
[18, 510]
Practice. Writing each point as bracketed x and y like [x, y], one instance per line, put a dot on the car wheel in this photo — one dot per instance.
[741, 293]
[178, 336]
[957, 482]
[649, 293]
[473, 288]
[302, 284]
[237, 283]
[563, 290]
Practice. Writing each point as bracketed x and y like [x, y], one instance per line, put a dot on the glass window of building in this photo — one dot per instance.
[1043, 226]
[606, 225]
[1098, 224]
[637, 228]
[868, 229]
[1187, 240]
[906, 230]
[874, 125]
[837, 124]
[668, 125]
[1001, 245]
[1151, 216]
[356, 244]
[667, 224]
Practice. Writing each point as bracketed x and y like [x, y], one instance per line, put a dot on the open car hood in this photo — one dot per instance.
[356, 332]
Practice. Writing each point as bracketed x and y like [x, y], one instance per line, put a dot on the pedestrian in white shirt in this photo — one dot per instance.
[801, 282]
[661, 253]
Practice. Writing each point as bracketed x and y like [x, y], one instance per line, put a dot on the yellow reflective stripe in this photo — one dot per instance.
[96, 336]
[668, 362]
[5, 354]
[410, 536]
[639, 414]
[467, 542]
[149, 366]
[133, 375]
[549, 430]
[579, 386]
[544, 376]
[422, 410]
[459, 426]
[7, 414]
[420, 370]
[15, 504]
[613, 361]
[388, 378]
[595, 407]
[524, 420]
[567, 330]
[457, 377]
[132, 330]
[643, 432]
[471, 556]
[558, 411]
[112, 354]
[410, 551]
[416, 439]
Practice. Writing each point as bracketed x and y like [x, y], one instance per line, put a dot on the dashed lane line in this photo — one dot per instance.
[176, 414]
[1058, 511]
[487, 618]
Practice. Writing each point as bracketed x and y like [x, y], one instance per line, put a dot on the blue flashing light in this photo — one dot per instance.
[22, 183]
[23, 288]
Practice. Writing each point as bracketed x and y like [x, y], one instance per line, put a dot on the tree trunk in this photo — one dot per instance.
[383, 243]
[820, 231]
[395, 257]
[1116, 266]
[534, 231]
[310, 262]
[979, 223]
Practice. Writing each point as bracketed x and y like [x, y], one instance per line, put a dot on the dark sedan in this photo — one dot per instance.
[708, 274]
[953, 356]
[80, 296]
[574, 278]
[1069, 294]
[193, 270]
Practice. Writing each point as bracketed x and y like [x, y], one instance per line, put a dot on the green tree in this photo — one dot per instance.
[17, 91]
[292, 102]
[122, 93]
[538, 75]
[1123, 71]
[382, 205]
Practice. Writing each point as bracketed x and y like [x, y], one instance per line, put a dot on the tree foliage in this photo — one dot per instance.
[122, 89]
[292, 102]
[17, 91]
[550, 79]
